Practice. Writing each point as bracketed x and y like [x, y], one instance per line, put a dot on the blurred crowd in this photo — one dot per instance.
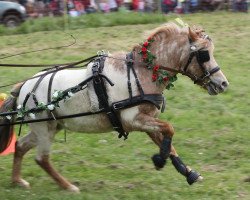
[38, 8]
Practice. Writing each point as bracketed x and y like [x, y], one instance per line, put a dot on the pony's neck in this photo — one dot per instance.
[169, 51]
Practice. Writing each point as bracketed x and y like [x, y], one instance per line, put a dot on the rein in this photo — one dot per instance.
[54, 68]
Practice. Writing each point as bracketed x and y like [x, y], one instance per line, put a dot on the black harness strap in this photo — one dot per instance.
[155, 99]
[50, 86]
[101, 93]
[32, 93]
[49, 93]
[130, 66]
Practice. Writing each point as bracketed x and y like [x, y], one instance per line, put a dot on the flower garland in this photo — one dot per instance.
[57, 96]
[162, 76]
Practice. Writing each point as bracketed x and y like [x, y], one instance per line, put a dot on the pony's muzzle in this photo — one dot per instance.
[224, 85]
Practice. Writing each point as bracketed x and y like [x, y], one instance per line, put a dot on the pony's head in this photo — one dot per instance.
[201, 65]
[171, 49]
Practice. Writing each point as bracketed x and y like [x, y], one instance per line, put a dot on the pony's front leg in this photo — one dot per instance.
[191, 175]
[164, 132]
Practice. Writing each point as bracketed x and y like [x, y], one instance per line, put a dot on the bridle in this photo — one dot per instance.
[202, 56]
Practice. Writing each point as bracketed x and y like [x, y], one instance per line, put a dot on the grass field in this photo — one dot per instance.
[212, 132]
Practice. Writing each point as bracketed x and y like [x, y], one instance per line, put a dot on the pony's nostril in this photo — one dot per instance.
[224, 84]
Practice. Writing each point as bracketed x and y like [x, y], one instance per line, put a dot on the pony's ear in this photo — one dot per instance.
[192, 35]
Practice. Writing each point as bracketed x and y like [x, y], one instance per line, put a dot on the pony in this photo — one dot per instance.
[169, 50]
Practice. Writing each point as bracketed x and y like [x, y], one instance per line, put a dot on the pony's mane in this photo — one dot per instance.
[169, 29]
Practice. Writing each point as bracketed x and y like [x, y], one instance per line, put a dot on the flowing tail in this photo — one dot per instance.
[6, 132]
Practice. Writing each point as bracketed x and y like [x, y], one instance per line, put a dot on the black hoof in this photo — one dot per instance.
[192, 177]
[158, 161]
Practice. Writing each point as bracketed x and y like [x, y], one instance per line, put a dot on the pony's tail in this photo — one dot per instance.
[6, 132]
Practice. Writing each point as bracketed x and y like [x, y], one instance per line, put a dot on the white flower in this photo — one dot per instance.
[193, 48]
[32, 115]
[19, 107]
[51, 106]
[8, 117]
[70, 94]
[42, 103]
[19, 115]
[55, 94]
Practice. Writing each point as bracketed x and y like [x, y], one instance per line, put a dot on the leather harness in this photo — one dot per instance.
[99, 82]
[112, 110]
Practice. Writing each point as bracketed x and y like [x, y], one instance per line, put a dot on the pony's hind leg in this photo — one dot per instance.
[22, 147]
[45, 135]
[191, 175]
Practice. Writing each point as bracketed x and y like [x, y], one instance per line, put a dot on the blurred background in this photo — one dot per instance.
[14, 15]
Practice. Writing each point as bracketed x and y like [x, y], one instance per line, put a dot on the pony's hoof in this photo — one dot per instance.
[158, 161]
[73, 188]
[21, 183]
[193, 177]
[200, 179]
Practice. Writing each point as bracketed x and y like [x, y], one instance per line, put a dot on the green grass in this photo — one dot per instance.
[212, 132]
[85, 21]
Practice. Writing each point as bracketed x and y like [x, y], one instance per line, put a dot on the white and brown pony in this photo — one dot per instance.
[176, 50]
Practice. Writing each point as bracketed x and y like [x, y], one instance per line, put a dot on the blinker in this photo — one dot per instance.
[203, 56]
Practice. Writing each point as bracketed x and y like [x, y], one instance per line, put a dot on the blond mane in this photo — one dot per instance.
[169, 29]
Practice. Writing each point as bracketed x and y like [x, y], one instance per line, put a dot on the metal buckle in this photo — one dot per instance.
[102, 53]
[206, 74]
[116, 106]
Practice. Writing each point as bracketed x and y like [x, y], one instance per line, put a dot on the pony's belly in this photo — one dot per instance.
[96, 123]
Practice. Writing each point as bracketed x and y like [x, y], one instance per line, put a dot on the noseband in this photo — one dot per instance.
[202, 56]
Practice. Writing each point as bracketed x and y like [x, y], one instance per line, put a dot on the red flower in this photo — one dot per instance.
[156, 68]
[154, 77]
[145, 44]
[149, 39]
[144, 49]
[165, 78]
[145, 56]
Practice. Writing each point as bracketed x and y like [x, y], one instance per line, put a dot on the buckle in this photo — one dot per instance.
[117, 106]
[206, 74]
